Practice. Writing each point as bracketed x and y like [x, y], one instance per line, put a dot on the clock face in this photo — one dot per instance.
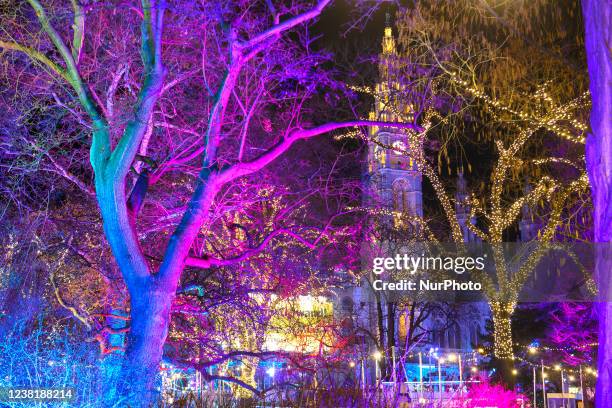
[399, 147]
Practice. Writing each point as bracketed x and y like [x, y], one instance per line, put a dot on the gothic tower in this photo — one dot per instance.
[394, 179]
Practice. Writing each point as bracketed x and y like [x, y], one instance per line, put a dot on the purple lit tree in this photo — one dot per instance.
[597, 16]
[573, 330]
[221, 92]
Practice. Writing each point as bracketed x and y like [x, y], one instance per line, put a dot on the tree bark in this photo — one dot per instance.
[150, 300]
[150, 319]
[598, 42]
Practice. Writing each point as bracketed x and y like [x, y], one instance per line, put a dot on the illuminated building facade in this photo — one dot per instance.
[395, 192]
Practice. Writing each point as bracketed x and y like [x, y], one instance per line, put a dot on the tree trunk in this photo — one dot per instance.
[598, 42]
[150, 319]
[150, 300]
[390, 340]
[381, 334]
[502, 346]
[502, 335]
[603, 392]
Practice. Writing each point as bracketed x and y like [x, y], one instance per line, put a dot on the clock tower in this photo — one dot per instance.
[394, 180]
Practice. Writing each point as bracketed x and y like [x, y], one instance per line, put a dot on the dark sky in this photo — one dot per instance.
[337, 18]
[335, 26]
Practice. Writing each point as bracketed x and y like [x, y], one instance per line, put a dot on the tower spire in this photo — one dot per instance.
[388, 41]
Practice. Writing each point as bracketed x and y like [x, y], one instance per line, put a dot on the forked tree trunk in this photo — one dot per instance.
[150, 300]
[598, 42]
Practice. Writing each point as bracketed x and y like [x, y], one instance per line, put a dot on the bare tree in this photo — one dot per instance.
[189, 107]
[598, 37]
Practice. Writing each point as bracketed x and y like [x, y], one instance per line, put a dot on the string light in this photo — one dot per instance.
[534, 349]
[502, 301]
[499, 216]
[555, 366]
[550, 122]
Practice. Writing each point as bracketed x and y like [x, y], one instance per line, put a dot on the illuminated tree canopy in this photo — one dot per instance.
[188, 183]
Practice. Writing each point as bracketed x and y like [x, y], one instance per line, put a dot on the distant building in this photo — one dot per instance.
[394, 185]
